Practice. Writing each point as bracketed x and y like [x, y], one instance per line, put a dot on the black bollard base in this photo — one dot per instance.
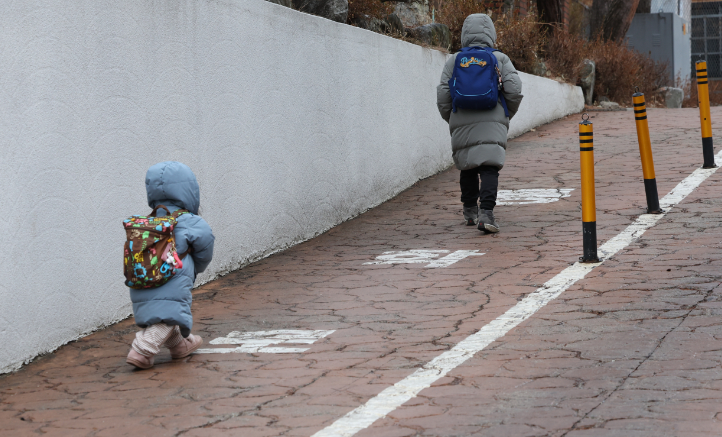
[589, 238]
[650, 189]
[708, 153]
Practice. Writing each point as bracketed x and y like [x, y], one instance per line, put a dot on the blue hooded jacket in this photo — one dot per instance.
[174, 185]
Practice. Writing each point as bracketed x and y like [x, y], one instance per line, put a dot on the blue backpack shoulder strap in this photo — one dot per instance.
[490, 50]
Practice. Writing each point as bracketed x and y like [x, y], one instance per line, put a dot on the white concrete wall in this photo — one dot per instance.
[292, 123]
[545, 100]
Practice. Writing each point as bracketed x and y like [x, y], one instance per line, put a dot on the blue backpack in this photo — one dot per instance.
[476, 80]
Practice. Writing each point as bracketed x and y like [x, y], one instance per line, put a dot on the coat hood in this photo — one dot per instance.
[478, 30]
[172, 183]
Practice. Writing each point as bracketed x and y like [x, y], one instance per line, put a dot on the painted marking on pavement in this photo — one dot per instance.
[529, 196]
[428, 257]
[258, 341]
[406, 389]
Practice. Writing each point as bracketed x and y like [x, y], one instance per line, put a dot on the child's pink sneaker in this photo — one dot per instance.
[138, 360]
[186, 347]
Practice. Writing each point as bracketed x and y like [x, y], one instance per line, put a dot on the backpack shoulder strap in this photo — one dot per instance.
[187, 252]
[454, 74]
[179, 212]
[503, 104]
[490, 50]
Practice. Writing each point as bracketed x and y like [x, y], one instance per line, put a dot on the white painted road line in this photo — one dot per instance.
[258, 341]
[452, 258]
[530, 196]
[406, 389]
[418, 256]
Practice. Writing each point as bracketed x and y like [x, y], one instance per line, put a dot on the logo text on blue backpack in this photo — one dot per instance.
[473, 61]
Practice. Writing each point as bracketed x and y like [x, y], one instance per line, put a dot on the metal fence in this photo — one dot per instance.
[706, 36]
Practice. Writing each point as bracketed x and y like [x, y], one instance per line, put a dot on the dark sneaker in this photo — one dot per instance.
[471, 215]
[487, 222]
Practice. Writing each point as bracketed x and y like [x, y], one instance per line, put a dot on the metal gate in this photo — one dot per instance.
[706, 36]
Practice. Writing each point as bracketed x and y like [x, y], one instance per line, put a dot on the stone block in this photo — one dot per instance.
[413, 14]
[587, 75]
[435, 34]
[390, 25]
[673, 97]
[611, 106]
[336, 10]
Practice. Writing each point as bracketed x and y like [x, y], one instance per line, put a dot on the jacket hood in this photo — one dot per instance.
[478, 30]
[172, 183]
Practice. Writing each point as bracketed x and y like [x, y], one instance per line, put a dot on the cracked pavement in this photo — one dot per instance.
[633, 349]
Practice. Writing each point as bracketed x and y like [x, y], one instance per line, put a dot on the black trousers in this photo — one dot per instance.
[480, 183]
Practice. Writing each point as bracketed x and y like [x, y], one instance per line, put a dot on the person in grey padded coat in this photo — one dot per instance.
[478, 137]
[164, 312]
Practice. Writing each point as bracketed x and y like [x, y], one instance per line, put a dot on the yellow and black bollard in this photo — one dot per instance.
[704, 115]
[589, 208]
[645, 151]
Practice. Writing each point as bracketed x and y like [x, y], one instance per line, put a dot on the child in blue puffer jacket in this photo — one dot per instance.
[164, 312]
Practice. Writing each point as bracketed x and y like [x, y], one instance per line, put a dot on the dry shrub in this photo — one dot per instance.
[521, 39]
[564, 54]
[372, 8]
[454, 12]
[690, 92]
[621, 69]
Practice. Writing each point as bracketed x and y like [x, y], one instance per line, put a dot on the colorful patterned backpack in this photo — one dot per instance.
[150, 255]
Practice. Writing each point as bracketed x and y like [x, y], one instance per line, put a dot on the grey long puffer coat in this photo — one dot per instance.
[479, 137]
[174, 185]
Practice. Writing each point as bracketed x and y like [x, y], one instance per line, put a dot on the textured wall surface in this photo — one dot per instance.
[292, 123]
[545, 100]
